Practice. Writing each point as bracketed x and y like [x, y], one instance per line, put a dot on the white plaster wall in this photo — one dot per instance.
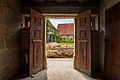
[105, 4]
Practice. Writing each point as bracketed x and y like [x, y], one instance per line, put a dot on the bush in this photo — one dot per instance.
[72, 40]
[66, 40]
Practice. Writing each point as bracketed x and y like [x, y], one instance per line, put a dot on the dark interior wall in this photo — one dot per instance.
[10, 25]
[105, 5]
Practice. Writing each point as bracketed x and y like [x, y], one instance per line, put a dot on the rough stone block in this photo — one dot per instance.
[2, 30]
[10, 62]
[1, 43]
[12, 42]
[10, 25]
[14, 4]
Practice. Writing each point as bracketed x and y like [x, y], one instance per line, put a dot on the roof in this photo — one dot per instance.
[66, 29]
[51, 25]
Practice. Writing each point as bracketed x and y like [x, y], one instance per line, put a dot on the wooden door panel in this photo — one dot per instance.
[83, 33]
[36, 42]
[37, 34]
[83, 55]
[37, 57]
[112, 43]
[83, 42]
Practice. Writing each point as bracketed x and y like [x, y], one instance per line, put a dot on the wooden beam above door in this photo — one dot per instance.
[60, 3]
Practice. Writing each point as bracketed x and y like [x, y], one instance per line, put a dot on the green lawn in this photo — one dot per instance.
[63, 43]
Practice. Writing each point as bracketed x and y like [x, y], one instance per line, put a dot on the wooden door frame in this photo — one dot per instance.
[45, 57]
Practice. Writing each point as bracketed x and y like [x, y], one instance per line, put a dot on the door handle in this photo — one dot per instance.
[37, 40]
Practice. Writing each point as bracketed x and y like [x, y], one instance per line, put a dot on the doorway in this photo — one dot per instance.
[82, 61]
[82, 58]
[60, 38]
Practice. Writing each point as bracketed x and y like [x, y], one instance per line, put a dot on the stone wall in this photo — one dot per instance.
[10, 25]
[57, 50]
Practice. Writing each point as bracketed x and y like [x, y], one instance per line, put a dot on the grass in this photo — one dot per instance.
[63, 43]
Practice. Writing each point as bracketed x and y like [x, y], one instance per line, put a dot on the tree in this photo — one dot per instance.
[54, 34]
[47, 26]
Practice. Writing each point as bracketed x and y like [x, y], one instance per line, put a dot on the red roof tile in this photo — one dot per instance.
[66, 29]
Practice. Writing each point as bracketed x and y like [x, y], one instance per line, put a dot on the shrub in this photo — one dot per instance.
[66, 40]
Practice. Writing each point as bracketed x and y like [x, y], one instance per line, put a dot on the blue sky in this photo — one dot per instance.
[55, 22]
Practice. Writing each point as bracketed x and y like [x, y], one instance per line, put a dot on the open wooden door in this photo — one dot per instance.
[82, 60]
[36, 42]
[112, 43]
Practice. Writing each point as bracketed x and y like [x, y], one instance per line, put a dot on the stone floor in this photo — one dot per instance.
[60, 69]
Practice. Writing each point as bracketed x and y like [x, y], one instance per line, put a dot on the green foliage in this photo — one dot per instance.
[47, 26]
[67, 40]
[72, 40]
[59, 38]
[54, 35]
[66, 43]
